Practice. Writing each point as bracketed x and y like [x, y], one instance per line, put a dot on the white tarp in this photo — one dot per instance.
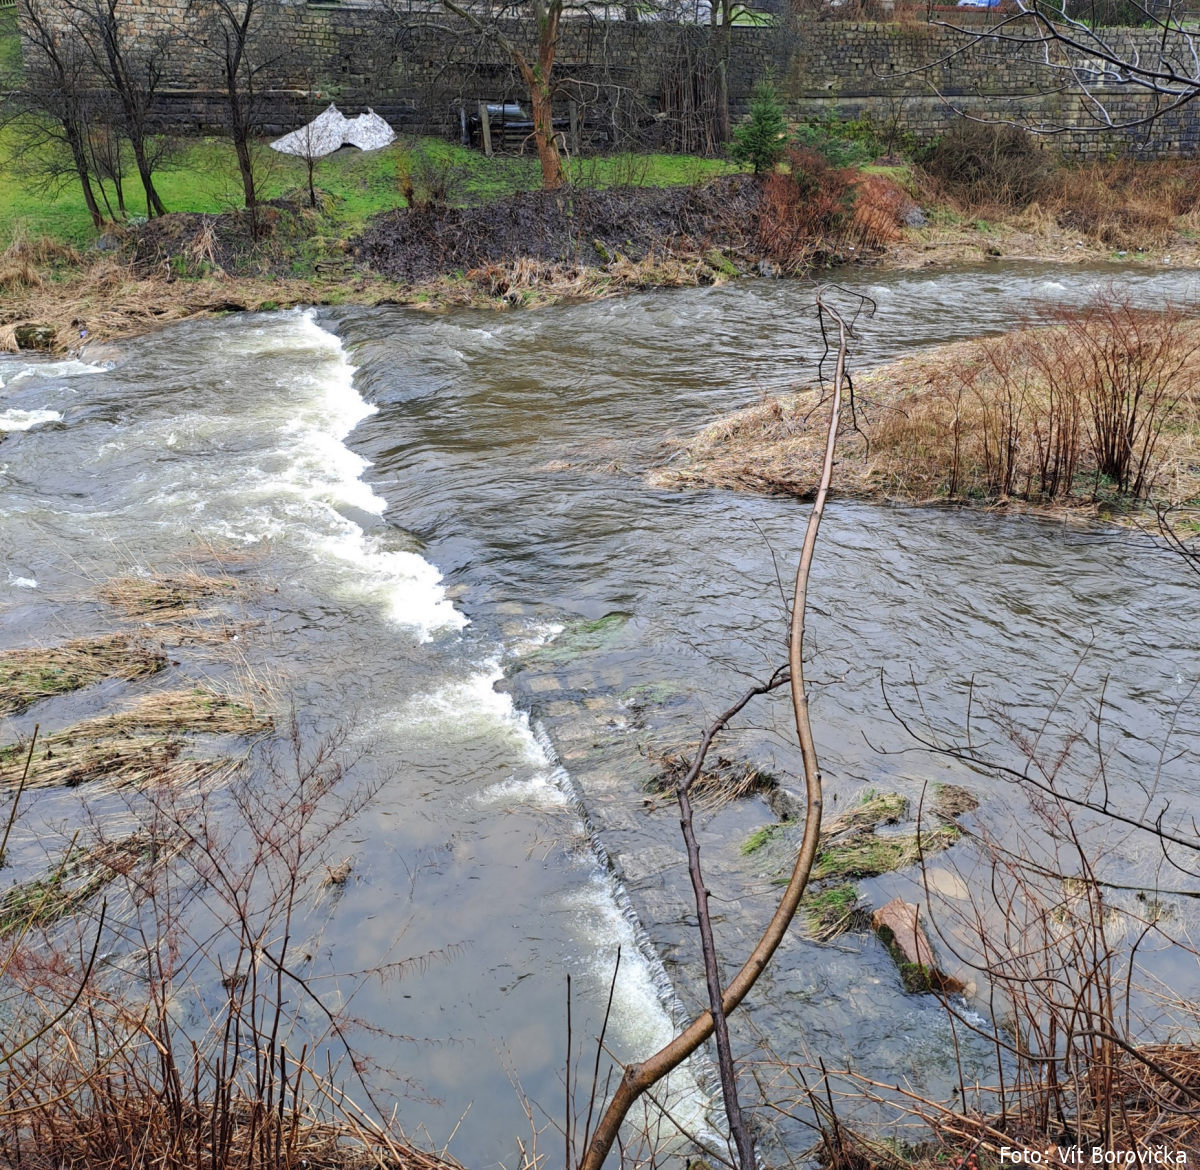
[331, 130]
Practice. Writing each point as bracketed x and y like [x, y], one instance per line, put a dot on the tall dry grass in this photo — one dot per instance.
[1078, 405]
[1086, 407]
[1126, 205]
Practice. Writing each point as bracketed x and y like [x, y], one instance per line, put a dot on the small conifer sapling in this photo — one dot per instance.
[762, 140]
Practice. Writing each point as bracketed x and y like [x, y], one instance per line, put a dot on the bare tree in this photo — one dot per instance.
[55, 104]
[132, 67]
[536, 67]
[1075, 51]
[233, 35]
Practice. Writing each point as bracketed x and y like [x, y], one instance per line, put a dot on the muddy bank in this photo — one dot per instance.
[528, 249]
[576, 226]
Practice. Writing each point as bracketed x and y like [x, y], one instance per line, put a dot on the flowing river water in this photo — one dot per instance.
[451, 554]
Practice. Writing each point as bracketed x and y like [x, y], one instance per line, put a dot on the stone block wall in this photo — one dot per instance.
[419, 69]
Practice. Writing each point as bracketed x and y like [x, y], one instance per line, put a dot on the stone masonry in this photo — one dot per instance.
[419, 69]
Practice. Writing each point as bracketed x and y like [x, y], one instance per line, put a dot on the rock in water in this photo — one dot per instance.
[899, 928]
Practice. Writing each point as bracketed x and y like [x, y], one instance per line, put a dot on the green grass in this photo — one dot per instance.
[204, 178]
[760, 839]
[866, 855]
[829, 908]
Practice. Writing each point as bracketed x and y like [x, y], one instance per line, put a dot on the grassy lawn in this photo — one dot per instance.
[204, 178]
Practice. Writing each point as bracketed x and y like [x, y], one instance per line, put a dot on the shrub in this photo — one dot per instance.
[843, 144]
[762, 140]
[807, 211]
[1044, 413]
[986, 164]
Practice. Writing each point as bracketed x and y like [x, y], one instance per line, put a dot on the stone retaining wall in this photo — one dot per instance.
[419, 69]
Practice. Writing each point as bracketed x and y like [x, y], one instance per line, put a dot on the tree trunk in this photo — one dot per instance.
[724, 134]
[543, 136]
[538, 79]
[154, 205]
[85, 181]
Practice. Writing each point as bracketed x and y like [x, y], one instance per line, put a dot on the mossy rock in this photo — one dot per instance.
[579, 637]
[719, 262]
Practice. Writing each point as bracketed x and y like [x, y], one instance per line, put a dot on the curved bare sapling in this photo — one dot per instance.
[639, 1078]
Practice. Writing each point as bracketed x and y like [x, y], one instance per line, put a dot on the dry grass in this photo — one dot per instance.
[719, 784]
[530, 282]
[1017, 418]
[182, 609]
[27, 676]
[1153, 1111]
[142, 745]
[112, 300]
[1126, 205]
[101, 1141]
[167, 597]
[26, 262]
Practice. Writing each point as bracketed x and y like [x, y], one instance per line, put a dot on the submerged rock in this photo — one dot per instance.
[899, 928]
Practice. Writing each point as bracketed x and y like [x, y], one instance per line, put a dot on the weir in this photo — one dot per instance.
[446, 541]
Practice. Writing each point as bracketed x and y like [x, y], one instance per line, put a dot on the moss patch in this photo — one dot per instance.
[77, 878]
[951, 801]
[832, 910]
[865, 854]
[760, 839]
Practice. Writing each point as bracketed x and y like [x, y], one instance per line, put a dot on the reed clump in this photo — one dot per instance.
[166, 597]
[719, 784]
[142, 745]
[28, 676]
[1094, 407]
[79, 876]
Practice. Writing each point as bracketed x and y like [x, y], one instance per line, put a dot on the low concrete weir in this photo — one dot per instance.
[447, 551]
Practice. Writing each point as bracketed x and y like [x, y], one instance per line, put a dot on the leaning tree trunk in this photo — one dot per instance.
[79, 158]
[537, 78]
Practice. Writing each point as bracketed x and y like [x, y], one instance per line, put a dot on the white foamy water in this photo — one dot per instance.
[641, 1020]
[274, 466]
[26, 420]
[16, 370]
[325, 472]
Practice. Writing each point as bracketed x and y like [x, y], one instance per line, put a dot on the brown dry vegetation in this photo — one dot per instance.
[530, 248]
[1027, 206]
[142, 745]
[1090, 410]
[26, 676]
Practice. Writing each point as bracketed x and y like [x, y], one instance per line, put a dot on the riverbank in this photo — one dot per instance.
[1030, 419]
[526, 250]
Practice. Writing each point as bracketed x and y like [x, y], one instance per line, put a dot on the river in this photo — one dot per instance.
[449, 552]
